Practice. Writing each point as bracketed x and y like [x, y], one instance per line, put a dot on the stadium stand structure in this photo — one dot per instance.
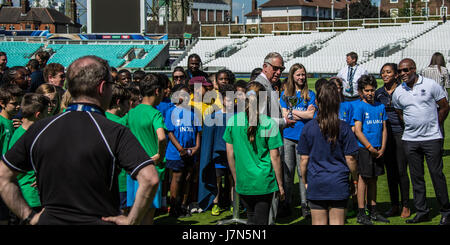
[19, 53]
[130, 56]
[420, 49]
[324, 52]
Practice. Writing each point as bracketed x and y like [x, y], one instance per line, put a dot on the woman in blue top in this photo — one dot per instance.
[297, 86]
[327, 146]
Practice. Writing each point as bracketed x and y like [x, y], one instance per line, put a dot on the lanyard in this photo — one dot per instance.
[84, 107]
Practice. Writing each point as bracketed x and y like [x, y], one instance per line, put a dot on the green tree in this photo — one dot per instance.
[364, 9]
[405, 10]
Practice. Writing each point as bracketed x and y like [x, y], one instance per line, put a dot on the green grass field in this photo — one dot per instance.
[383, 202]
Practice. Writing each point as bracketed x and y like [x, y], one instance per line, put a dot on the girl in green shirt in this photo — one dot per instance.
[252, 142]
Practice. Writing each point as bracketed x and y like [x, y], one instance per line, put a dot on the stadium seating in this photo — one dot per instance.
[206, 48]
[151, 52]
[252, 55]
[19, 53]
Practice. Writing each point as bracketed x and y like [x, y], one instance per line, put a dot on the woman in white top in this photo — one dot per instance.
[437, 71]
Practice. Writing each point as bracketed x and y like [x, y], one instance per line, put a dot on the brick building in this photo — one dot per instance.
[26, 18]
[298, 10]
[422, 7]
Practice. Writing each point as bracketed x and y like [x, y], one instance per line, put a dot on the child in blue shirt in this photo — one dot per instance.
[370, 129]
[184, 129]
[346, 107]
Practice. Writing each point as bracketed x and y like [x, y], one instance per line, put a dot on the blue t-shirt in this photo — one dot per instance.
[184, 124]
[346, 112]
[164, 106]
[327, 171]
[293, 133]
[372, 117]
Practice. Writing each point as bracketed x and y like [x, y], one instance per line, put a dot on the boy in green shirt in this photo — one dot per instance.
[34, 107]
[147, 124]
[10, 95]
[118, 108]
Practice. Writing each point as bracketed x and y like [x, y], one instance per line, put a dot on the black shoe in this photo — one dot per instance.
[445, 220]
[363, 219]
[185, 212]
[418, 219]
[306, 211]
[374, 216]
[393, 211]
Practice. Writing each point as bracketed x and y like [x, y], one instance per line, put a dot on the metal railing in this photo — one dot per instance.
[273, 28]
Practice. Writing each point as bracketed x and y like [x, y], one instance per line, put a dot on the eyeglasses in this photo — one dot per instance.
[178, 77]
[405, 70]
[277, 68]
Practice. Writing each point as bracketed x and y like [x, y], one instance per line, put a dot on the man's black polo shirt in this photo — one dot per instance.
[76, 156]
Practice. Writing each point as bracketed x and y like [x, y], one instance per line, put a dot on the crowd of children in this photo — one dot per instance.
[190, 128]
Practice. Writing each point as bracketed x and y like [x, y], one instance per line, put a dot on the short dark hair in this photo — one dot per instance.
[223, 89]
[255, 73]
[2, 54]
[365, 80]
[240, 84]
[139, 74]
[150, 84]
[32, 103]
[83, 79]
[8, 91]
[33, 64]
[52, 69]
[119, 92]
[164, 80]
[353, 55]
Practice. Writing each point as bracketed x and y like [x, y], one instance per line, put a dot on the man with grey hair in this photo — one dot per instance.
[77, 156]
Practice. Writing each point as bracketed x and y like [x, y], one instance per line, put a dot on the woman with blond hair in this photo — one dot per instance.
[54, 93]
[303, 110]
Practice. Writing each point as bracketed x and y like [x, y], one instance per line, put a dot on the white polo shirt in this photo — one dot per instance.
[419, 109]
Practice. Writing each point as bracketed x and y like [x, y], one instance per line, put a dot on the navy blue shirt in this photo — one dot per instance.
[393, 123]
[327, 171]
[37, 79]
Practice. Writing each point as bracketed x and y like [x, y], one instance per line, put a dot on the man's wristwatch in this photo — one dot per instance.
[27, 220]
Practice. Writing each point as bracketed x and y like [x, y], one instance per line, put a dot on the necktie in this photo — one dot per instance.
[350, 78]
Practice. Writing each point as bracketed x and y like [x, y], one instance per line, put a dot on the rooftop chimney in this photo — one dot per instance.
[25, 6]
[254, 5]
[73, 13]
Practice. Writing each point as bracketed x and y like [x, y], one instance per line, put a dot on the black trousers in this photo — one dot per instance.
[258, 208]
[432, 151]
[396, 170]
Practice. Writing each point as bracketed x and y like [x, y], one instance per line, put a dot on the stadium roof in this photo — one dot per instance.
[338, 4]
[12, 15]
[210, 1]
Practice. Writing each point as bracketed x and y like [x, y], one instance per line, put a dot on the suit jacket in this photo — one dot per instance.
[274, 100]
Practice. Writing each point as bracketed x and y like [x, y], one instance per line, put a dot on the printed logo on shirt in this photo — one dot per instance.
[367, 115]
[423, 92]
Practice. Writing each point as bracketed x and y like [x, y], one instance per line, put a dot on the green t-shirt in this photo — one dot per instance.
[31, 194]
[254, 171]
[143, 121]
[122, 178]
[6, 131]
